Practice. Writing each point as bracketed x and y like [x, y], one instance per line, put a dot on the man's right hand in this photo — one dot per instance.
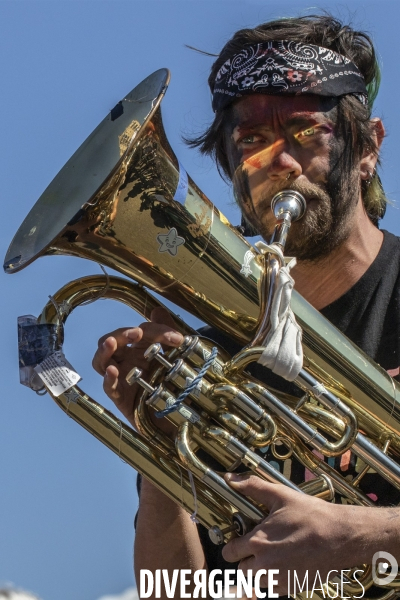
[166, 537]
[121, 350]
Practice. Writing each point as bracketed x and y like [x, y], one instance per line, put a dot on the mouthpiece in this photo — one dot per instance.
[287, 206]
[288, 202]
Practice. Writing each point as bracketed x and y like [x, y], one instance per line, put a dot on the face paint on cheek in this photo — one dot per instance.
[243, 197]
[239, 177]
[333, 175]
[254, 161]
[263, 159]
[339, 184]
[241, 189]
[235, 157]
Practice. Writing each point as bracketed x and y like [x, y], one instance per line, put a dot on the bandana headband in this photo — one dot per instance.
[283, 67]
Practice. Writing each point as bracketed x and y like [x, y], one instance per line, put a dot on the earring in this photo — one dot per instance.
[370, 178]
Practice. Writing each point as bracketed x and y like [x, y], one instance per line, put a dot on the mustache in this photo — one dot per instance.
[243, 194]
[325, 224]
[310, 191]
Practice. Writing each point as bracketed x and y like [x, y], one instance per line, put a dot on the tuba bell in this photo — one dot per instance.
[124, 200]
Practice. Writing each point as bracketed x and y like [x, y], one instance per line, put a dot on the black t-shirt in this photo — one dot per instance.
[369, 315]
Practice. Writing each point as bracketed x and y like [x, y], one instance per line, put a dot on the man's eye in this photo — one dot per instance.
[307, 132]
[250, 139]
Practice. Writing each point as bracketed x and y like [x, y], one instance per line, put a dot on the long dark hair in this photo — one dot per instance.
[353, 118]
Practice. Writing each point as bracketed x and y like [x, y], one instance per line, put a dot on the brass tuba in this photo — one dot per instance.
[125, 201]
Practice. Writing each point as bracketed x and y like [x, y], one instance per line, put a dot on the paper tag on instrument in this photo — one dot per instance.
[57, 373]
[36, 341]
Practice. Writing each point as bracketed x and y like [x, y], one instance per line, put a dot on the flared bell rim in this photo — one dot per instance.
[85, 173]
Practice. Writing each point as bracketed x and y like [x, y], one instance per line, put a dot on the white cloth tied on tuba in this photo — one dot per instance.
[283, 352]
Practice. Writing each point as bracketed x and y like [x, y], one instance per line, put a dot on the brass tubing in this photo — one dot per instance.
[317, 466]
[210, 478]
[134, 295]
[300, 426]
[266, 287]
[246, 405]
[246, 433]
[377, 459]
[161, 471]
[334, 404]
[195, 350]
[151, 432]
[360, 445]
[241, 360]
[92, 287]
[208, 398]
[249, 458]
[305, 381]
[320, 487]
[365, 579]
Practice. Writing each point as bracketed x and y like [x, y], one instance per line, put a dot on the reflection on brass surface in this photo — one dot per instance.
[129, 223]
[126, 137]
[202, 225]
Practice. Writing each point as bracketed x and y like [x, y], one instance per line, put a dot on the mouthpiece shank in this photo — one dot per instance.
[287, 206]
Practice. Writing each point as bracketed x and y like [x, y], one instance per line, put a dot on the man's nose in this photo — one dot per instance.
[283, 162]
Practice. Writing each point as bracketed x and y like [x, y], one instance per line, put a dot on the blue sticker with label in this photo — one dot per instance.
[182, 187]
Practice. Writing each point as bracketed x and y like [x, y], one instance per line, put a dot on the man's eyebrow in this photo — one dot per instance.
[303, 120]
[307, 119]
[252, 124]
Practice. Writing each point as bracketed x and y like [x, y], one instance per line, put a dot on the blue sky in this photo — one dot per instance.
[66, 503]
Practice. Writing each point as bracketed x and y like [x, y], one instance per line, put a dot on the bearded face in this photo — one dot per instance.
[275, 143]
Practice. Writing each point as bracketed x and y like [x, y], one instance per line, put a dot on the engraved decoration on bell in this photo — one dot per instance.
[202, 224]
[126, 136]
[170, 241]
[246, 269]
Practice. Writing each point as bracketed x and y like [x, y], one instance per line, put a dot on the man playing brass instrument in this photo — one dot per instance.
[292, 101]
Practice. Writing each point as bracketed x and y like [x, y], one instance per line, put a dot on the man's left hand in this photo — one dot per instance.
[300, 533]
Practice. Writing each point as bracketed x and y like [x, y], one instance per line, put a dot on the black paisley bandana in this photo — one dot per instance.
[283, 67]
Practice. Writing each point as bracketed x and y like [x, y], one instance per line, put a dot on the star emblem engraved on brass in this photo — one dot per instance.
[71, 395]
[246, 269]
[65, 307]
[170, 241]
